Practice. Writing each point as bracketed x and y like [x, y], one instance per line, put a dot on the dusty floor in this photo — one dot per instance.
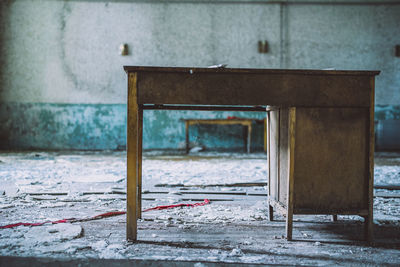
[234, 228]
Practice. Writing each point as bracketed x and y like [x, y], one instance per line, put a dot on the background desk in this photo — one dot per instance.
[322, 116]
[245, 122]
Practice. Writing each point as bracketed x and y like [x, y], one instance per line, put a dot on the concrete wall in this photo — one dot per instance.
[348, 37]
[61, 58]
[67, 52]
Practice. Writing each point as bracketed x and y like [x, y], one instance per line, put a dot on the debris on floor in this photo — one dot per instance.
[234, 228]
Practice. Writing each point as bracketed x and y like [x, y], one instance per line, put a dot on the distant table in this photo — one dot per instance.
[320, 132]
[245, 122]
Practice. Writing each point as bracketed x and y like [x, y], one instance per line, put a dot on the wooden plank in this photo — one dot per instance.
[132, 148]
[291, 164]
[47, 193]
[217, 88]
[388, 186]
[386, 195]
[140, 146]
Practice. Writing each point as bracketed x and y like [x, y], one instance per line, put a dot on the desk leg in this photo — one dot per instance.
[371, 136]
[267, 138]
[290, 193]
[132, 159]
[368, 228]
[270, 212]
[248, 138]
[245, 133]
[265, 135]
[187, 136]
[139, 179]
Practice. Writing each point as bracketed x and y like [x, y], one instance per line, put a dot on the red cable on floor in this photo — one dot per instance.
[104, 215]
[206, 201]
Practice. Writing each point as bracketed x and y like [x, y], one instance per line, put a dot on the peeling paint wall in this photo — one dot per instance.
[61, 58]
[103, 126]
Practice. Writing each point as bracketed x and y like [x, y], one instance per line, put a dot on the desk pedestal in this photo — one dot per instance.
[320, 162]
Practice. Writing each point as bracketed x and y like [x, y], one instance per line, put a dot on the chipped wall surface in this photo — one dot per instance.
[103, 126]
[67, 52]
[62, 85]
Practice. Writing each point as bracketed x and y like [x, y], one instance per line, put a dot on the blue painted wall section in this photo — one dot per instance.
[387, 112]
[62, 126]
[103, 126]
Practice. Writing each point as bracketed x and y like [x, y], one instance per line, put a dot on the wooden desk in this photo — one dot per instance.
[245, 122]
[321, 133]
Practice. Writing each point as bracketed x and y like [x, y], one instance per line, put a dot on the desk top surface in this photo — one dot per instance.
[252, 87]
[249, 71]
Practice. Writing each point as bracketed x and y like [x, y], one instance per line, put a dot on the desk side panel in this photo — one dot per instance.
[253, 89]
[330, 159]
